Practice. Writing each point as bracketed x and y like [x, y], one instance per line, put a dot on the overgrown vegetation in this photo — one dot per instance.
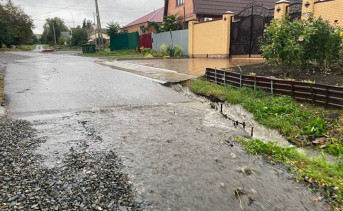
[302, 124]
[15, 26]
[166, 50]
[318, 174]
[294, 45]
[115, 54]
[20, 48]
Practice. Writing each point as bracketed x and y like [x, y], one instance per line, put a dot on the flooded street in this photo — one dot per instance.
[196, 66]
[170, 150]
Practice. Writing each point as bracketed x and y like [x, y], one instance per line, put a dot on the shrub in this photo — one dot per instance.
[290, 44]
[147, 51]
[172, 51]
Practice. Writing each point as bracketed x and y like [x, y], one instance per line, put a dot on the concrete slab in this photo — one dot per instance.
[159, 74]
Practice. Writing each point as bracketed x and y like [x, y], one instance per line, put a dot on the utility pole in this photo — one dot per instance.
[95, 34]
[101, 42]
[53, 27]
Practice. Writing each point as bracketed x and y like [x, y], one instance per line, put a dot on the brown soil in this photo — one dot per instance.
[332, 78]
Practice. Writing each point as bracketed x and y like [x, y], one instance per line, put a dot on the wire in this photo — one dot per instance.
[59, 9]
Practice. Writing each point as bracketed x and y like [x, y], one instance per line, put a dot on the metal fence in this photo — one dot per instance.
[314, 93]
[179, 37]
[125, 41]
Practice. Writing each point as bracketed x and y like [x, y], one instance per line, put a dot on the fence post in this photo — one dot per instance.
[312, 94]
[292, 88]
[240, 81]
[224, 78]
[272, 87]
[215, 75]
[255, 83]
[326, 96]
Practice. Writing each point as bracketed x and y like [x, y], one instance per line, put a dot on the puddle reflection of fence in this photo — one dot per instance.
[313, 93]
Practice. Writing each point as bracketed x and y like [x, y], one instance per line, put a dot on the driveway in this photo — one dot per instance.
[108, 139]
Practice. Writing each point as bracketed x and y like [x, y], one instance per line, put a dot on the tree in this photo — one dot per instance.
[48, 33]
[15, 26]
[113, 29]
[170, 23]
[79, 36]
[87, 24]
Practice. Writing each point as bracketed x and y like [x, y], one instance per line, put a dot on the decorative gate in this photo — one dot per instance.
[294, 10]
[246, 29]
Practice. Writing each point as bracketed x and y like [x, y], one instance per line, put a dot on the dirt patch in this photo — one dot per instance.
[319, 77]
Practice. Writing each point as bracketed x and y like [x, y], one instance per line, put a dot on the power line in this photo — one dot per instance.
[60, 9]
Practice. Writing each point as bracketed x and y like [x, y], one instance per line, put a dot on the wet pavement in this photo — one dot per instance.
[61, 82]
[176, 152]
[196, 66]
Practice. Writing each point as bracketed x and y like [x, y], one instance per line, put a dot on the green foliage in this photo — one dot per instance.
[86, 24]
[48, 33]
[115, 54]
[170, 23]
[15, 25]
[147, 51]
[277, 112]
[172, 51]
[328, 177]
[290, 44]
[316, 126]
[113, 29]
[155, 25]
[80, 37]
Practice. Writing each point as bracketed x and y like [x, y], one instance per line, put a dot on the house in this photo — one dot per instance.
[94, 34]
[140, 25]
[202, 10]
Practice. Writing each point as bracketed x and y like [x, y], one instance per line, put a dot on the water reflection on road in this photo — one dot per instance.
[196, 66]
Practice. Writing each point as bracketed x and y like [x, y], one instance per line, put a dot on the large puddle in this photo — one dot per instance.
[196, 66]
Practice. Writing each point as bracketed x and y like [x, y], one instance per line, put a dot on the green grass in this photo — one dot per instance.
[20, 48]
[116, 54]
[317, 173]
[299, 123]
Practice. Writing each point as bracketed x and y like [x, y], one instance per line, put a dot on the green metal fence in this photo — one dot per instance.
[124, 41]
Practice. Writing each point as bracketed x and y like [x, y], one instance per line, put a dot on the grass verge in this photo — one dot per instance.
[115, 54]
[20, 48]
[318, 174]
[302, 124]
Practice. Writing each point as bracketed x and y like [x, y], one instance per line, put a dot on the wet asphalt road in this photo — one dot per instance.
[61, 82]
[177, 152]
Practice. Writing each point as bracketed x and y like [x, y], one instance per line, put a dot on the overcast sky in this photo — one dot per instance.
[74, 11]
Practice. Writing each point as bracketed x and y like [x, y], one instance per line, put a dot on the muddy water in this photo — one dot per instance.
[196, 66]
[179, 156]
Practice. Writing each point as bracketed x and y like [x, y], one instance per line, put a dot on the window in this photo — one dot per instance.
[180, 2]
[142, 29]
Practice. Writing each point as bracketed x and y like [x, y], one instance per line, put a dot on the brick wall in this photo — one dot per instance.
[330, 10]
[179, 10]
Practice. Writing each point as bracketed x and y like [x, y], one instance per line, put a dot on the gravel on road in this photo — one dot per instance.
[85, 181]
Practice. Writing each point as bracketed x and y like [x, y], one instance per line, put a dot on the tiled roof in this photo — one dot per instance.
[155, 16]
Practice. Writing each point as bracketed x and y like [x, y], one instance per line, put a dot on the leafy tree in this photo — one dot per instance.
[113, 29]
[79, 36]
[170, 23]
[48, 33]
[156, 26]
[15, 25]
[87, 24]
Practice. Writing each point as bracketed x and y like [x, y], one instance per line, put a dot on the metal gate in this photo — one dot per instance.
[246, 29]
[294, 10]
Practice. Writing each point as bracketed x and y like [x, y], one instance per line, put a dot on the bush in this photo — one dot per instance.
[172, 51]
[147, 51]
[290, 44]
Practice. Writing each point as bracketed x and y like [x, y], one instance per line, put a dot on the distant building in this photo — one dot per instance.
[38, 36]
[66, 35]
[140, 25]
[93, 35]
